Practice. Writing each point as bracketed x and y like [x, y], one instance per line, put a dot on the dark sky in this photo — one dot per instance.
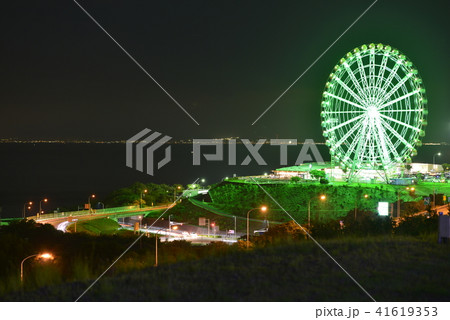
[224, 61]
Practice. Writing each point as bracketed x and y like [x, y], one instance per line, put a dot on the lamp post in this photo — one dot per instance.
[175, 193]
[156, 246]
[45, 256]
[89, 201]
[434, 188]
[263, 209]
[322, 197]
[140, 203]
[170, 227]
[356, 204]
[40, 205]
[434, 158]
[235, 230]
[29, 207]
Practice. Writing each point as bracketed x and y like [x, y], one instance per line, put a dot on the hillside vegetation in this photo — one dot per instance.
[237, 198]
[390, 269]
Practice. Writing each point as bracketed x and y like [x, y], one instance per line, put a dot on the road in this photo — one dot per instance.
[61, 223]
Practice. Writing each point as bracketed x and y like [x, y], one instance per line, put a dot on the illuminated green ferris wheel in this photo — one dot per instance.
[374, 110]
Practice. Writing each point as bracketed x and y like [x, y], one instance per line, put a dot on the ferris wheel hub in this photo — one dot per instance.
[372, 111]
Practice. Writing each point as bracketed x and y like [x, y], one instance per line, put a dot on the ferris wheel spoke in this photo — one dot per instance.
[348, 134]
[362, 73]
[372, 69]
[359, 143]
[381, 72]
[396, 87]
[345, 123]
[406, 110]
[385, 142]
[353, 145]
[398, 135]
[399, 122]
[354, 80]
[346, 101]
[355, 141]
[343, 112]
[399, 99]
[353, 94]
[389, 79]
[371, 143]
[362, 151]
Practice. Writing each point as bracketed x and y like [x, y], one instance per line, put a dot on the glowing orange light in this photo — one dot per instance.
[263, 208]
[46, 256]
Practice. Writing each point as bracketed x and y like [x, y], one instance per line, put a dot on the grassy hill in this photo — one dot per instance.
[104, 226]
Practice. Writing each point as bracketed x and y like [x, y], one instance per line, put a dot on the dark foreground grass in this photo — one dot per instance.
[390, 269]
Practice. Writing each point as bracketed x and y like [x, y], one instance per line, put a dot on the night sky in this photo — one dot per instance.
[225, 62]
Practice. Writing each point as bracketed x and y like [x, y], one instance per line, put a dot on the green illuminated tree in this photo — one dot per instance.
[317, 174]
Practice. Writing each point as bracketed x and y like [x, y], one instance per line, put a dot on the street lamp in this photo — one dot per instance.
[366, 196]
[175, 193]
[323, 198]
[434, 158]
[29, 207]
[263, 209]
[170, 226]
[89, 201]
[140, 203]
[45, 256]
[434, 188]
[156, 246]
[40, 205]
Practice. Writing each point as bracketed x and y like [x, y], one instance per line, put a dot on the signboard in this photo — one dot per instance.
[426, 201]
[136, 226]
[231, 231]
[383, 208]
[202, 221]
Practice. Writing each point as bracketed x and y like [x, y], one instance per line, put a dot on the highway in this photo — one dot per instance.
[61, 223]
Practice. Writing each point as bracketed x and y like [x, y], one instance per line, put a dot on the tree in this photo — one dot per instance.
[419, 177]
[446, 166]
[295, 179]
[317, 174]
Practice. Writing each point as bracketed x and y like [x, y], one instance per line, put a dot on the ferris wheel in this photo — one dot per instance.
[374, 109]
